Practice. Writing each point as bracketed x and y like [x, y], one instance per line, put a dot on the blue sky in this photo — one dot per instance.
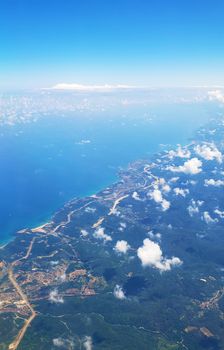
[144, 42]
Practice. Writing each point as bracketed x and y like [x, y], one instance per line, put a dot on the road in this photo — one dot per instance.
[14, 345]
[117, 201]
[64, 223]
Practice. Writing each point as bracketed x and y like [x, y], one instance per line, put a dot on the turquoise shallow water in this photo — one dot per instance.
[46, 163]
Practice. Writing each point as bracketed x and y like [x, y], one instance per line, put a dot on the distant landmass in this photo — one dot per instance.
[139, 265]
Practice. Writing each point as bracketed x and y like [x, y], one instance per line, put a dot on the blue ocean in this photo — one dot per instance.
[48, 162]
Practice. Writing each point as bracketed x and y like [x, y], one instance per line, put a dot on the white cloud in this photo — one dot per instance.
[156, 195]
[191, 166]
[122, 246]
[63, 277]
[156, 236]
[135, 196]
[212, 182]
[54, 262]
[59, 342]
[208, 219]
[119, 293]
[193, 208]
[90, 210]
[161, 181]
[84, 233]
[192, 182]
[165, 205]
[174, 179]
[100, 234]
[88, 343]
[83, 142]
[63, 343]
[209, 151]
[54, 297]
[180, 191]
[219, 213]
[150, 254]
[216, 95]
[180, 153]
[166, 188]
[122, 226]
[81, 87]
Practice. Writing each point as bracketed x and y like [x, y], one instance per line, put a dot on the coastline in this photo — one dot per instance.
[2, 246]
[41, 224]
[8, 233]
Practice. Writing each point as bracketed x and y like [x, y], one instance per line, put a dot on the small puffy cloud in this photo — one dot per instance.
[88, 343]
[122, 246]
[135, 196]
[219, 213]
[191, 166]
[63, 343]
[119, 293]
[123, 225]
[165, 205]
[156, 195]
[193, 208]
[54, 297]
[180, 153]
[192, 182]
[90, 210]
[166, 188]
[150, 254]
[212, 182]
[59, 342]
[174, 179]
[84, 233]
[54, 262]
[216, 95]
[83, 142]
[180, 191]
[208, 219]
[63, 277]
[100, 234]
[153, 236]
[161, 181]
[208, 151]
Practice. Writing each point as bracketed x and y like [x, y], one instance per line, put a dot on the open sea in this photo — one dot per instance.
[45, 163]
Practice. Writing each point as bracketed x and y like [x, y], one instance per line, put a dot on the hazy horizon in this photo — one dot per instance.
[147, 43]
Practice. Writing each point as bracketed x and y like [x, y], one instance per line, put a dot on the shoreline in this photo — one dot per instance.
[2, 246]
[40, 226]
[10, 235]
